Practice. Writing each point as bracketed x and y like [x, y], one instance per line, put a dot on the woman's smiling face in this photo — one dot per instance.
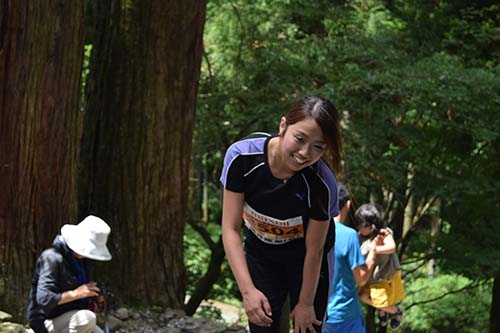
[302, 143]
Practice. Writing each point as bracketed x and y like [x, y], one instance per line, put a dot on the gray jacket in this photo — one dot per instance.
[54, 274]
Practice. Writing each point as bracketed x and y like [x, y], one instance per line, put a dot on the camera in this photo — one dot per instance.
[108, 299]
[105, 290]
[102, 288]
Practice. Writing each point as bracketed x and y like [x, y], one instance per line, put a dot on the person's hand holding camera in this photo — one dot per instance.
[87, 290]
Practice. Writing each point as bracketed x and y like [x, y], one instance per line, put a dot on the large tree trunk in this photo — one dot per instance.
[41, 50]
[136, 150]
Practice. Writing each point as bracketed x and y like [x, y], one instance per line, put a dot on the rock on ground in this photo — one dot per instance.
[153, 320]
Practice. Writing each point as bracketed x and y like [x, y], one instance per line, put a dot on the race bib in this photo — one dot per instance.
[271, 230]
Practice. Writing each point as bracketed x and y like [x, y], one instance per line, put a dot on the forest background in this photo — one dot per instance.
[124, 109]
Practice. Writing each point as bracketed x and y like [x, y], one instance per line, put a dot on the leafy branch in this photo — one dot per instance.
[472, 285]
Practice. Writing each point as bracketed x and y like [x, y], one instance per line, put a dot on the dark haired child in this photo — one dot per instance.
[384, 288]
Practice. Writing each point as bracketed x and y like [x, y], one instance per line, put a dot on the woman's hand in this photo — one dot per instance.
[83, 291]
[303, 314]
[255, 302]
[257, 307]
[87, 290]
[304, 317]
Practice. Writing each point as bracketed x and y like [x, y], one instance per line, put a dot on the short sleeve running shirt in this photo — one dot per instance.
[277, 211]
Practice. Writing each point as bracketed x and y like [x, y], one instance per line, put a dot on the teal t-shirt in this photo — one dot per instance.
[343, 302]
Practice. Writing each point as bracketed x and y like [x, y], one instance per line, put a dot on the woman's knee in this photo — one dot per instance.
[83, 321]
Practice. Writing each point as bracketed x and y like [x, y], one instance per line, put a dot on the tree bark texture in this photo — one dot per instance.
[136, 147]
[41, 50]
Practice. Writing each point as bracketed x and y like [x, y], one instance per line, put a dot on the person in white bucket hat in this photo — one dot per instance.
[88, 238]
[62, 293]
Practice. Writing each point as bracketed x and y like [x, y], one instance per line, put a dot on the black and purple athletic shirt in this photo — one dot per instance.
[276, 211]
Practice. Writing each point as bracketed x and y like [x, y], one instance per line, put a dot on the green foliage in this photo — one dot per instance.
[85, 70]
[466, 311]
[417, 83]
[471, 247]
[430, 114]
[196, 258]
[469, 29]
[475, 33]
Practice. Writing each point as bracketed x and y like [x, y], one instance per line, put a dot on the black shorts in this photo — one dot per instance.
[276, 280]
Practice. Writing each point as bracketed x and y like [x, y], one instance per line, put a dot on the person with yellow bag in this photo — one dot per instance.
[384, 288]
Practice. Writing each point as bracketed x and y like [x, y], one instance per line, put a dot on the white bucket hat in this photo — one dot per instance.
[88, 238]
